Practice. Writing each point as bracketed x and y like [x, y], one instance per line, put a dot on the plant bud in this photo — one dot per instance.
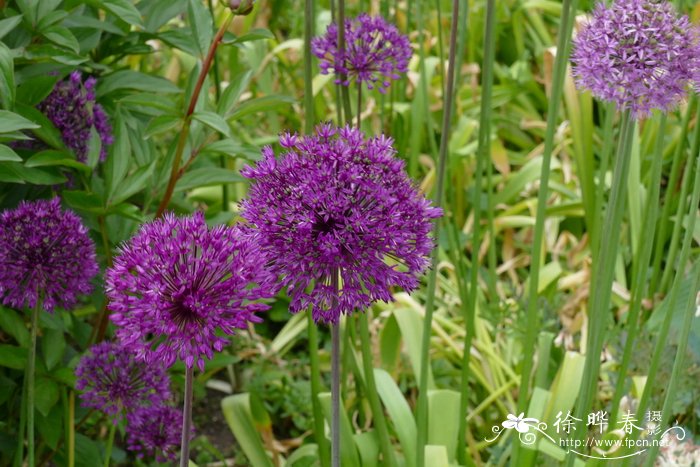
[241, 7]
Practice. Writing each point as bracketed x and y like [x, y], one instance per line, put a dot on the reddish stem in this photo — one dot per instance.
[175, 173]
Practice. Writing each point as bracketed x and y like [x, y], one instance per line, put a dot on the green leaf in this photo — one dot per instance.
[124, 10]
[14, 172]
[159, 12]
[52, 157]
[28, 9]
[87, 22]
[214, 121]
[87, 451]
[233, 92]
[233, 148]
[442, 431]
[201, 23]
[254, 35]
[83, 201]
[207, 176]
[238, 415]
[7, 77]
[13, 324]
[36, 89]
[8, 24]
[49, 52]
[51, 427]
[44, 8]
[7, 154]
[161, 124]
[118, 160]
[53, 344]
[261, 104]
[150, 104]
[129, 79]
[10, 121]
[46, 131]
[13, 357]
[46, 395]
[134, 183]
[62, 36]
[50, 19]
[94, 148]
[399, 412]
[348, 450]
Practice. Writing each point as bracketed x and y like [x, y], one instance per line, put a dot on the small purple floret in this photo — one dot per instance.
[114, 382]
[44, 251]
[338, 202]
[72, 109]
[177, 285]
[637, 53]
[155, 432]
[375, 52]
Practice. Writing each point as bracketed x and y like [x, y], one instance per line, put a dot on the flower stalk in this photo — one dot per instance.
[187, 418]
[422, 410]
[31, 366]
[176, 171]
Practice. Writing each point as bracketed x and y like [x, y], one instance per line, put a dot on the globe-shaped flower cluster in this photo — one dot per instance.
[72, 109]
[637, 53]
[114, 382]
[374, 53]
[177, 285]
[45, 253]
[340, 219]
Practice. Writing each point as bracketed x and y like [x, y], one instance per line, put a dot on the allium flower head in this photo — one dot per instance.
[72, 109]
[177, 285]
[374, 52]
[114, 382]
[338, 203]
[637, 53]
[44, 252]
[155, 432]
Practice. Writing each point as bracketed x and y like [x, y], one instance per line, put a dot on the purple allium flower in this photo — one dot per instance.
[155, 432]
[72, 109]
[375, 52]
[637, 53]
[176, 284]
[114, 381]
[337, 203]
[44, 252]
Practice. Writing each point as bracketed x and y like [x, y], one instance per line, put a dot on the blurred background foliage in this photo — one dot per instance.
[146, 56]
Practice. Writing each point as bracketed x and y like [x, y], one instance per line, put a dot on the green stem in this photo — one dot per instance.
[608, 145]
[187, 418]
[217, 92]
[308, 70]
[532, 316]
[372, 394]
[344, 91]
[176, 173]
[675, 236]
[422, 409]
[71, 429]
[110, 443]
[316, 389]
[19, 454]
[335, 395]
[688, 315]
[599, 309]
[646, 237]
[662, 337]
[31, 366]
[659, 248]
